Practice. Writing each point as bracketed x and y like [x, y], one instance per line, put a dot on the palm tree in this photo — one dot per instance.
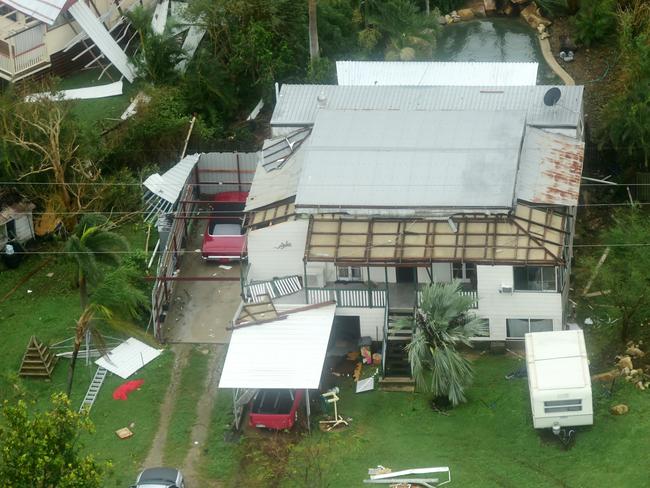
[114, 303]
[89, 245]
[442, 322]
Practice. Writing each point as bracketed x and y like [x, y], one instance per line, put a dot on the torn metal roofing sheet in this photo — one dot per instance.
[190, 45]
[276, 151]
[168, 186]
[297, 105]
[45, 11]
[402, 163]
[550, 168]
[270, 187]
[102, 39]
[431, 73]
[100, 91]
[159, 18]
[284, 353]
[527, 235]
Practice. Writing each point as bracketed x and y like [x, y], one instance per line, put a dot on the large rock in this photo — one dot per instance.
[466, 14]
[490, 6]
[532, 15]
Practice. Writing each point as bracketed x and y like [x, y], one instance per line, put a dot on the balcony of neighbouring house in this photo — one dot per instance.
[23, 52]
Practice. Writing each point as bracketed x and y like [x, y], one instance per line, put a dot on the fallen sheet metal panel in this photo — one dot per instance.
[102, 39]
[128, 357]
[159, 19]
[190, 45]
[132, 109]
[45, 11]
[90, 92]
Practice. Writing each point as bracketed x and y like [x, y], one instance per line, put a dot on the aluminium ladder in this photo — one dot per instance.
[93, 390]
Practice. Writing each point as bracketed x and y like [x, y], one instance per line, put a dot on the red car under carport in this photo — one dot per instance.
[224, 238]
[275, 409]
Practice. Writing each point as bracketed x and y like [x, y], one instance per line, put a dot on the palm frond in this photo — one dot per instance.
[119, 292]
[83, 257]
[105, 245]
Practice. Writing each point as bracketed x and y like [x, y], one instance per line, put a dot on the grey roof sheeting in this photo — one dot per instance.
[550, 168]
[434, 73]
[297, 104]
[365, 161]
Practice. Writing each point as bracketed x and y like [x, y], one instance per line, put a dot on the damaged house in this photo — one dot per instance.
[368, 193]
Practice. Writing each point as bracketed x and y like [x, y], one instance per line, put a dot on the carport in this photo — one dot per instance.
[276, 348]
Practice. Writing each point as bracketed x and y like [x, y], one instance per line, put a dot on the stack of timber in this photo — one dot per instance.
[38, 360]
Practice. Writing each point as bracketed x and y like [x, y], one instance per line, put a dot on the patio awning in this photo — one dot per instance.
[285, 353]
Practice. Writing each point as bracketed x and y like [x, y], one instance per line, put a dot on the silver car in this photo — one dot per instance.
[159, 478]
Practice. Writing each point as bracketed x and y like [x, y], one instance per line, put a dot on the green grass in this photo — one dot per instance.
[220, 457]
[47, 307]
[488, 442]
[97, 111]
[184, 414]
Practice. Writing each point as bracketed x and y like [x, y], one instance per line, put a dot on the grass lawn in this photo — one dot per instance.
[488, 442]
[220, 457]
[184, 413]
[96, 111]
[46, 305]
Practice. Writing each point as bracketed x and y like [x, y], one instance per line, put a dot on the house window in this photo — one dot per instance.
[465, 273]
[348, 273]
[517, 328]
[535, 278]
[560, 406]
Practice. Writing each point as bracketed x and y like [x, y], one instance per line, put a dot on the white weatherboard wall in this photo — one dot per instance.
[371, 320]
[497, 306]
[277, 250]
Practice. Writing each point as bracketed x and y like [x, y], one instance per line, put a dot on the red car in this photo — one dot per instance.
[224, 238]
[275, 409]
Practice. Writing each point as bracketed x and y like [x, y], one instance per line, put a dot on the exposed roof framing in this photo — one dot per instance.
[271, 215]
[533, 235]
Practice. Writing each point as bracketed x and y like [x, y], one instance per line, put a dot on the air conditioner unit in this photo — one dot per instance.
[315, 276]
[506, 288]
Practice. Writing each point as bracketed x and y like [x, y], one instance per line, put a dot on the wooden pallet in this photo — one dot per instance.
[38, 360]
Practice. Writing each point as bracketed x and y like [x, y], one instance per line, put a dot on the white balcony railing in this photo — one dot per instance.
[348, 298]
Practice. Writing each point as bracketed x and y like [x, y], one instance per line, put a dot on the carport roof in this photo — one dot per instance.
[284, 353]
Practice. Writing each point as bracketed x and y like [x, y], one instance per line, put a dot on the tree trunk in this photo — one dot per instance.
[427, 7]
[83, 291]
[73, 363]
[314, 51]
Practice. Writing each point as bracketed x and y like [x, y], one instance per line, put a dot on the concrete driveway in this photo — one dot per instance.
[200, 311]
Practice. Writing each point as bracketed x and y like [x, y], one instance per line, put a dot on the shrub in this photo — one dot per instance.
[446, 6]
[595, 21]
[553, 8]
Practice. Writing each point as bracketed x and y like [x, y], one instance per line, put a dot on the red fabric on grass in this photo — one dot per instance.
[122, 391]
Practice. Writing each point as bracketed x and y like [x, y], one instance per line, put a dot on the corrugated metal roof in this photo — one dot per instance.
[276, 151]
[287, 353]
[45, 11]
[550, 168]
[399, 73]
[169, 185]
[297, 104]
[365, 161]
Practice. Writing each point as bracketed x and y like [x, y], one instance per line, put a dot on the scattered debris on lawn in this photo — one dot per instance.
[38, 360]
[626, 368]
[397, 477]
[620, 409]
[124, 433]
[122, 391]
[128, 357]
[101, 91]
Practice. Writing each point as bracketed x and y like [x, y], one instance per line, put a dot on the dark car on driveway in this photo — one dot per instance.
[159, 478]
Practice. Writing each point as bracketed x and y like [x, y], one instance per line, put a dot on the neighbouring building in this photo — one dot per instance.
[16, 224]
[368, 193]
[63, 35]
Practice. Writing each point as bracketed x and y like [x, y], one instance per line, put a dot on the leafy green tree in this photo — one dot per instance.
[441, 323]
[595, 21]
[407, 32]
[42, 450]
[158, 54]
[624, 301]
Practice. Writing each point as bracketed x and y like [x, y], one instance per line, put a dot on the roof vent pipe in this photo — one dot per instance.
[322, 99]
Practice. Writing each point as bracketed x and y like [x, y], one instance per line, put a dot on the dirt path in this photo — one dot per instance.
[155, 456]
[204, 408]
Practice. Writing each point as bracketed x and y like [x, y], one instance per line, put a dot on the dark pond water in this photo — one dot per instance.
[498, 39]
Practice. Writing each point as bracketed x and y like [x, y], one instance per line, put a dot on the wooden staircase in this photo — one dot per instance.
[397, 371]
[38, 360]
